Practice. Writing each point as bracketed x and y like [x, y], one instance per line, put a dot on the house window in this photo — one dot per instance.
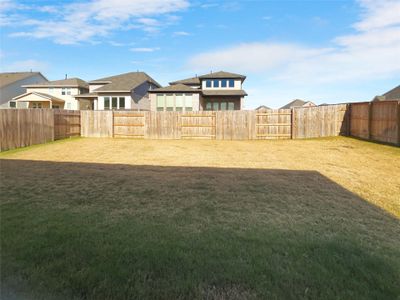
[231, 83]
[215, 106]
[106, 102]
[13, 104]
[65, 91]
[223, 82]
[223, 105]
[160, 102]
[208, 83]
[56, 106]
[36, 105]
[121, 102]
[231, 106]
[208, 105]
[178, 102]
[216, 83]
[188, 102]
[169, 102]
[114, 102]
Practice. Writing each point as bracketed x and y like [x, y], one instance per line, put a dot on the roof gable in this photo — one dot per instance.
[222, 74]
[11, 77]
[124, 82]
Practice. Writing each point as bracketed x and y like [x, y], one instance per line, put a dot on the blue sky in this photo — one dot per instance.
[323, 51]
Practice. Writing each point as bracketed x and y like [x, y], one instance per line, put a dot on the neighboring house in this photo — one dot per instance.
[124, 91]
[262, 107]
[214, 91]
[298, 103]
[393, 94]
[55, 94]
[11, 85]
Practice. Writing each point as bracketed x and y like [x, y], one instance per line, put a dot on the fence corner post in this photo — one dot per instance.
[369, 119]
[398, 123]
[349, 119]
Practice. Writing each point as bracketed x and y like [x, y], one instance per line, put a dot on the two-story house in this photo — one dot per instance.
[55, 94]
[213, 91]
[119, 92]
[11, 85]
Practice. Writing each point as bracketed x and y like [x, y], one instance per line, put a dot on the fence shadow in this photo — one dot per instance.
[84, 230]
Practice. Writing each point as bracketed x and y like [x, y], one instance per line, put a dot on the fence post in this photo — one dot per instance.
[349, 120]
[398, 123]
[292, 125]
[112, 123]
[369, 119]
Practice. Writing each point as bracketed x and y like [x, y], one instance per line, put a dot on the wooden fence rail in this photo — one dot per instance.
[377, 121]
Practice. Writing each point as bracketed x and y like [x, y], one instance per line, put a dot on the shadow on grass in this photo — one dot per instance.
[101, 231]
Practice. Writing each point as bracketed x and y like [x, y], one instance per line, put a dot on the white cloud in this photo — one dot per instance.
[144, 49]
[81, 21]
[181, 33]
[371, 52]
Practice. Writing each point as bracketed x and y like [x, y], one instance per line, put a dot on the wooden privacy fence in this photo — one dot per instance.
[25, 127]
[376, 121]
[221, 125]
[67, 123]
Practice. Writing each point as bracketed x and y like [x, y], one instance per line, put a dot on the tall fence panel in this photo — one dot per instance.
[96, 123]
[235, 125]
[25, 127]
[320, 121]
[385, 122]
[359, 120]
[67, 123]
[129, 124]
[198, 125]
[376, 121]
[273, 124]
[163, 125]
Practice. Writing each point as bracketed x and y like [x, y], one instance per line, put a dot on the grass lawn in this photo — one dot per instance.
[130, 219]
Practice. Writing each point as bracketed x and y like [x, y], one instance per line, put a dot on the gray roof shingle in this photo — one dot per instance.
[224, 93]
[69, 82]
[124, 82]
[176, 88]
[188, 81]
[11, 77]
[222, 74]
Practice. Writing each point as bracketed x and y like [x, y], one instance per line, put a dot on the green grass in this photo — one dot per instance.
[74, 230]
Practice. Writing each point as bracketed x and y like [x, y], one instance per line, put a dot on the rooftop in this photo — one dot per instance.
[123, 82]
[11, 77]
[69, 82]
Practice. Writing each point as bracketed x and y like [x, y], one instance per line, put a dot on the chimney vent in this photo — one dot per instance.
[66, 76]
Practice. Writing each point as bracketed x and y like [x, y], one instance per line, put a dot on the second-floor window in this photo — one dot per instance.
[223, 83]
[65, 91]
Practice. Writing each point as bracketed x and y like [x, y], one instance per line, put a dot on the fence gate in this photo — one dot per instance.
[274, 124]
[128, 124]
[198, 125]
